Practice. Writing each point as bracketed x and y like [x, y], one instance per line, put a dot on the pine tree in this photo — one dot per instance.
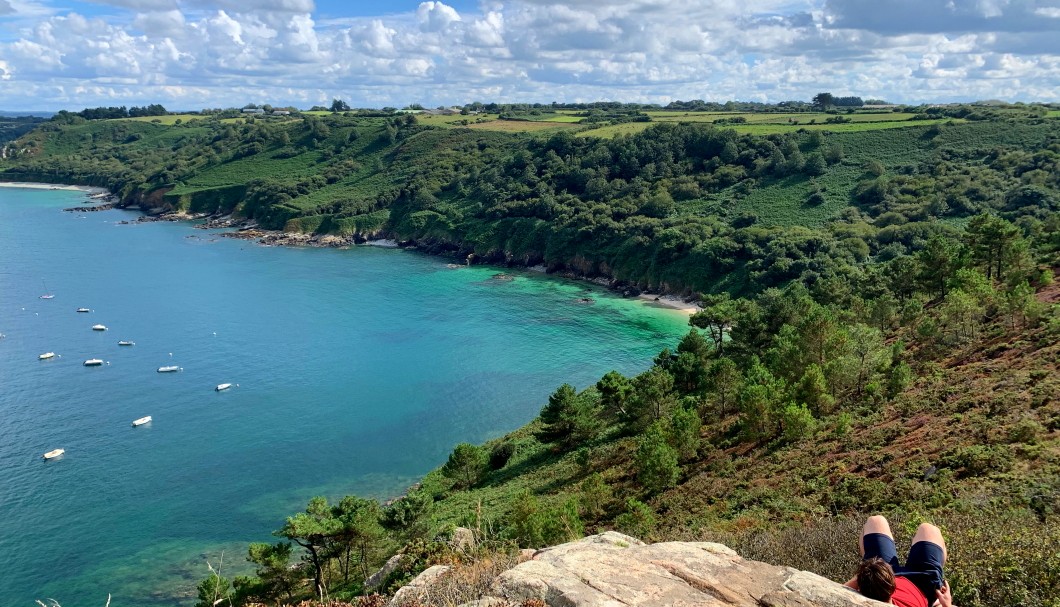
[656, 460]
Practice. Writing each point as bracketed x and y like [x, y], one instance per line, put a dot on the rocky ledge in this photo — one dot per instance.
[615, 570]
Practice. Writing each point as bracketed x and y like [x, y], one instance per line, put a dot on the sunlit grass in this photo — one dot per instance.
[168, 119]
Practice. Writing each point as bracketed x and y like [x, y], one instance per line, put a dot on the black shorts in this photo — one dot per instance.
[923, 565]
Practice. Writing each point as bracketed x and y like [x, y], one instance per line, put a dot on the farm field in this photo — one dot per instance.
[523, 126]
[168, 119]
[768, 128]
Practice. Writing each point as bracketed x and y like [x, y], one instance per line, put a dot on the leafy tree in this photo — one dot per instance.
[939, 261]
[899, 378]
[313, 530]
[638, 520]
[812, 391]
[408, 517]
[653, 398]
[724, 380]
[760, 398]
[275, 580]
[993, 242]
[823, 101]
[213, 590]
[616, 391]
[465, 464]
[866, 349]
[595, 496]
[569, 417]
[683, 432]
[1021, 306]
[338, 105]
[360, 536]
[796, 422]
[815, 164]
[526, 521]
[717, 316]
[961, 316]
[656, 460]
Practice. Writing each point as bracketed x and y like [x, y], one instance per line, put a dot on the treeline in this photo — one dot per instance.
[105, 113]
[618, 207]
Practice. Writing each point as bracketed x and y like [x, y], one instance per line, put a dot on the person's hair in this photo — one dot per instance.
[876, 579]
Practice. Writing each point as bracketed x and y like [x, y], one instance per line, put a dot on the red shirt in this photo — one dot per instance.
[906, 594]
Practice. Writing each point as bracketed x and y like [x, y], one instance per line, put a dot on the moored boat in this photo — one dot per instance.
[54, 453]
[46, 356]
[83, 310]
[143, 420]
[93, 362]
[99, 327]
[126, 342]
[168, 369]
[222, 387]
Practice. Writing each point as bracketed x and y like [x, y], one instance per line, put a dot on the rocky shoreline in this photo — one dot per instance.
[247, 229]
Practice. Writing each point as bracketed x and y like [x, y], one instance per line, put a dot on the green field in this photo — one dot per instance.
[167, 119]
[770, 124]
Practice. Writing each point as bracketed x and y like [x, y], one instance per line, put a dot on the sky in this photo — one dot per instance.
[195, 54]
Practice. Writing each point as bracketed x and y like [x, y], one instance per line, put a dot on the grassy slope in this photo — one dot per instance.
[978, 433]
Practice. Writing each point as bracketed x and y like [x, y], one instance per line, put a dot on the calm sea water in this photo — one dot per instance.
[357, 372]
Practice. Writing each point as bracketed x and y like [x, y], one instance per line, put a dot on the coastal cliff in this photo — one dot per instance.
[615, 570]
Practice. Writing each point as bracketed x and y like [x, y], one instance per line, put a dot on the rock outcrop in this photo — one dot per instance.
[615, 570]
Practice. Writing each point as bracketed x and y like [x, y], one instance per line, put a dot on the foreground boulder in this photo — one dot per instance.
[615, 570]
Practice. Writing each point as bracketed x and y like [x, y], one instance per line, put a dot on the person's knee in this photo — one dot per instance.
[928, 529]
[877, 524]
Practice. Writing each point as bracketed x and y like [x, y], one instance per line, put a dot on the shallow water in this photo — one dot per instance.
[357, 372]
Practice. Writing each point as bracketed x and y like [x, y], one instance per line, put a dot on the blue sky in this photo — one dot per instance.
[191, 54]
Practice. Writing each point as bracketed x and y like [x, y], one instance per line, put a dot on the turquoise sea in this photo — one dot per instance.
[358, 370]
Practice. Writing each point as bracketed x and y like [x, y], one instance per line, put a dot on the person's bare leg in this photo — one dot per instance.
[927, 532]
[879, 524]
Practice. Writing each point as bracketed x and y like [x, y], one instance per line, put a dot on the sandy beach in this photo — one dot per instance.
[670, 301]
[51, 186]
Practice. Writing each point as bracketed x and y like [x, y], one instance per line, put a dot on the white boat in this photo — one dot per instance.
[54, 453]
[99, 327]
[143, 420]
[222, 387]
[168, 369]
[46, 356]
[126, 343]
[46, 295]
[93, 362]
[83, 310]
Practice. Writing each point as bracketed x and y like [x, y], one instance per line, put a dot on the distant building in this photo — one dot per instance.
[253, 110]
[281, 113]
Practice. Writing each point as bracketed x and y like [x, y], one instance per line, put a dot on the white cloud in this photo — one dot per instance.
[217, 52]
[436, 16]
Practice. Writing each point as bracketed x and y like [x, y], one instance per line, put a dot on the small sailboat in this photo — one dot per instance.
[143, 420]
[99, 327]
[46, 356]
[169, 369]
[83, 310]
[126, 342]
[54, 453]
[222, 387]
[46, 294]
[94, 362]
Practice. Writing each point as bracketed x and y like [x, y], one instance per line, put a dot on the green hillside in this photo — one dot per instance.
[684, 207]
[879, 331]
